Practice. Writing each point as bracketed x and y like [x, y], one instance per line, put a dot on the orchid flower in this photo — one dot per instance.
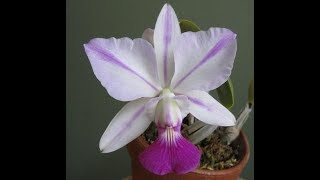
[165, 76]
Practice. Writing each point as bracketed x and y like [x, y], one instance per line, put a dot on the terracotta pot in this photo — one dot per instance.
[139, 173]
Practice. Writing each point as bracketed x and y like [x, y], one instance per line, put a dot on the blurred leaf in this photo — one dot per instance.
[195, 126]
[225, 93]
[202, 133]
[186, 25]
[251, 93]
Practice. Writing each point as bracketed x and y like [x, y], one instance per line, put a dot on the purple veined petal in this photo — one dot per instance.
[148, 35]
[205, 108]
[166, 31]
[126, 68]
[203, 60]
[130, 122]
[171, 152]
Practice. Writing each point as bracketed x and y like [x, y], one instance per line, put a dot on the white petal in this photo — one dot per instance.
[203, 60]
[148, 35]
[130, 122]
[183, 104]
[126, 68]
[205, 108]
[151, 106]
[166, 31]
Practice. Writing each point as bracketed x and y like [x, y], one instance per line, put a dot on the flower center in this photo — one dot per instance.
[167, 113]
[166, 92]
[170, 135]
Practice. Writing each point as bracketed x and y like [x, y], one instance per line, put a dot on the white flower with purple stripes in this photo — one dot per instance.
[165, 76]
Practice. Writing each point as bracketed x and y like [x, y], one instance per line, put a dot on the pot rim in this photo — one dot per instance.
[237, 167]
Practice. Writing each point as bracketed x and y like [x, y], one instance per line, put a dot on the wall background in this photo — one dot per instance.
[90, 108]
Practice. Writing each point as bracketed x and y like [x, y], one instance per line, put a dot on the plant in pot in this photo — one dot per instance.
[174, 127]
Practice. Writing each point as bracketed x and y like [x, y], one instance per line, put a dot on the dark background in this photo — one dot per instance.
[90, 108]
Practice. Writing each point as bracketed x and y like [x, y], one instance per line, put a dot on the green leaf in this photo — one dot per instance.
[186, 25]
[251, 93]
[225, 93]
